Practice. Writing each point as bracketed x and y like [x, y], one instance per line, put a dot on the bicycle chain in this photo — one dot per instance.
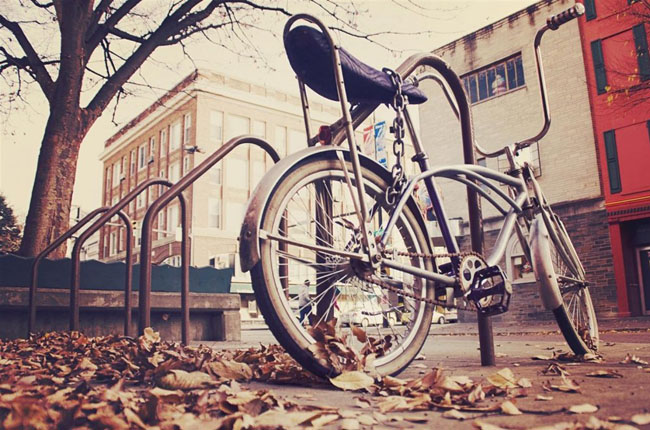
[396, 290]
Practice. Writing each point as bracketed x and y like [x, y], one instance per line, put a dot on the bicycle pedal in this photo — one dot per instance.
[490, 291]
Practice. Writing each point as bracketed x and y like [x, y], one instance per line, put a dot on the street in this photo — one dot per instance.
[458, 355]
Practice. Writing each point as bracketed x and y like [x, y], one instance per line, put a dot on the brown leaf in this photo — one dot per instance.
[349, 424]
[359, 333]
[229, 369]
[509, 408]
[482, 425]
[584, 408]
[641, 419]
[605, 374]
[454, 415]
[503, 379]
[633, 359]
[180, 379]
[352, 381]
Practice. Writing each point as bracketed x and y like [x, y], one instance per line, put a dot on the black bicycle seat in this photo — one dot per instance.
[310, 56]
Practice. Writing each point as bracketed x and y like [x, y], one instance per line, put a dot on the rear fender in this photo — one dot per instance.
[540, 249]
[249, 240]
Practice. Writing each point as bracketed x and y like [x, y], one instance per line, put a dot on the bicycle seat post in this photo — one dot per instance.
[360, 204]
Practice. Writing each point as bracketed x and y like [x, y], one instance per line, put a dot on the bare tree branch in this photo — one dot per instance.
[37, 66]
[99, 31]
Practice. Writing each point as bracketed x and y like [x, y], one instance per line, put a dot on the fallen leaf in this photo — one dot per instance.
[323, 420]
[629, 359]
[509, 408]
[605, 374]
[352, 381]
[584, 408]
[180, 379]
[641, 419]
[503, 379]
[230, 369]
[454, 414]
[482, 425]
[524, 383]
[543, 397]
[349, 424]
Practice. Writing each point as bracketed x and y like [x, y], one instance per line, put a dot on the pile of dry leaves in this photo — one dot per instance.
[68, 380]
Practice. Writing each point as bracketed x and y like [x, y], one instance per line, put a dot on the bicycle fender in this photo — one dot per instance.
[249, 240]
[540, 251]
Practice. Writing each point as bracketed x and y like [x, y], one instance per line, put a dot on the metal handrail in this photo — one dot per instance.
[147, 230]
[31, 323]
[75, 280]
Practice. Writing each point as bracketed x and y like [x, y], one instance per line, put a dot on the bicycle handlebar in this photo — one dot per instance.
[555, 21]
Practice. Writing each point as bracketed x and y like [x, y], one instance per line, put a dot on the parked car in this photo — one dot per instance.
[444, 315]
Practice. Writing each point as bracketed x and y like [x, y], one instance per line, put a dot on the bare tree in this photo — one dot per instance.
[101, 44]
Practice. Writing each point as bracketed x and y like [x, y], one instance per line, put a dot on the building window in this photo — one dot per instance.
[172, 218]
[174, 172]
[139, 201]
[280, 143]
[214, 213]
[108, 179]
[258, 170]
[237, 173]
[641, 45]
[163, 143]
[161, 222]
[116, 174]
[216, 126]
[187, 126]
[113, 246]
[152, 147]
[152, 194]
[142, 157]
[590, 9]
[259, 128]
[123, 167]
[494, 80]
[214, 175]
[611, 154]
[133, 162]
[186, 164]
[237, 125]
[234, 215]
[599, 66]
[175, 136]
[297, 141]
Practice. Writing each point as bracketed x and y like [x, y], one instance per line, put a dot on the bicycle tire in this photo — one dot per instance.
[576, 317]
[272, 286]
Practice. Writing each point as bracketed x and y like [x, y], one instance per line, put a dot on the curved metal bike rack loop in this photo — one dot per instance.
[147, 229]
[76, 254]
[31, 323]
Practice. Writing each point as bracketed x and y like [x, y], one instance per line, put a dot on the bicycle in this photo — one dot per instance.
[352, 226]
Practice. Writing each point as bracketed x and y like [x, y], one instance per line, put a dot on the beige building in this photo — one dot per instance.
[178, 132]
[497, 66]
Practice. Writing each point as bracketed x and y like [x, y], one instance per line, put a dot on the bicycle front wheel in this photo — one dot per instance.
[576, 317]
[312, 232]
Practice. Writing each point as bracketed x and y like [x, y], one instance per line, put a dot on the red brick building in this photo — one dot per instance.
[615, 46]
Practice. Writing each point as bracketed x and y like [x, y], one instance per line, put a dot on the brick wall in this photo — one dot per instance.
[590, 236]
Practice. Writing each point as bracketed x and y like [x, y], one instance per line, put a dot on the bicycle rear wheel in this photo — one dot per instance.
[576, 317]
[312, 210]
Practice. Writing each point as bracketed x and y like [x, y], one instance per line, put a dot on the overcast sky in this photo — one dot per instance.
[443, 21]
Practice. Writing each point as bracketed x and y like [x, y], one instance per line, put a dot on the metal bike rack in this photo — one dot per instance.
[31, 323]
[360, 112]
[147, 230]
[76, 252]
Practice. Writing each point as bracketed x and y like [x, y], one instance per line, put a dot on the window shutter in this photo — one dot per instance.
[641, 43]
[613, 170]
[590, 9]
[599, 66]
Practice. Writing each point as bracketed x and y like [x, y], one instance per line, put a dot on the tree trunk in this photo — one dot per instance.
[49, 209]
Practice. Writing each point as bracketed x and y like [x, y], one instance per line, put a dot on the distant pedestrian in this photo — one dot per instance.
[304, 301]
